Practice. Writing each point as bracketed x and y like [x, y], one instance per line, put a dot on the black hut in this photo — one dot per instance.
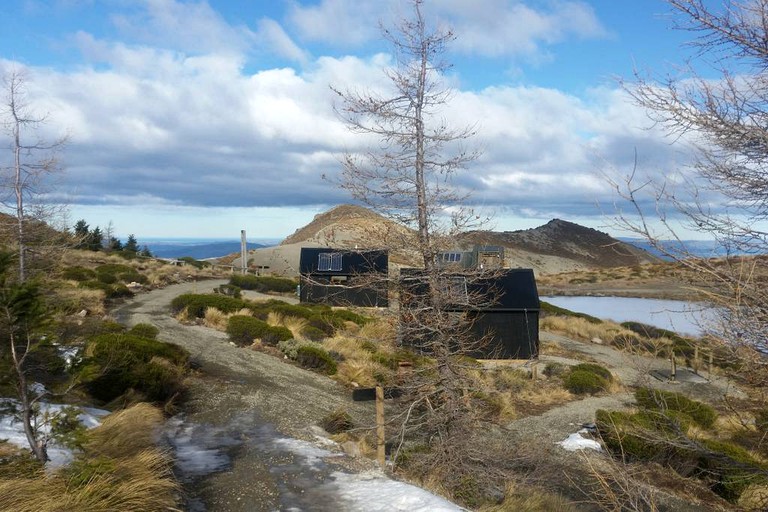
[343, 277]
[502, 307]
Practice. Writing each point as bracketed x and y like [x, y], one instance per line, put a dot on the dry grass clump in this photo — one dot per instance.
[121, 469]
[580, 328]
[125, 432]
[76, 299]
[215, 319]
[518, 498]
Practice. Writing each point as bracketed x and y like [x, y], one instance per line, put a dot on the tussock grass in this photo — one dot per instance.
[215, 319]
[528, 499]
[582, 329]
[365, 373]
[125, 432]
[120, 470]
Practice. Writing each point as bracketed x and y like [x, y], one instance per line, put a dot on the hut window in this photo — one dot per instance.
[451, 257]
[329, 262]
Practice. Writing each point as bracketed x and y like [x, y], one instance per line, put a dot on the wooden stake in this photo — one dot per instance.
[534, 371]
[696, 359]
[711, 360]
[380, 451]
[674, 367]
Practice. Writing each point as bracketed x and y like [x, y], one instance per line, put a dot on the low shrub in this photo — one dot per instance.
[229, 290]
[196, 304]
[702, 414]
[337, 422]
[147, 331]
[263, 283]
[316, 358]
[594, 368]
[189, 260]
[242, 330]
[290, 347]
[313, 333]
[551, 309]
[78, 273]
[119, 362]
[582, 382]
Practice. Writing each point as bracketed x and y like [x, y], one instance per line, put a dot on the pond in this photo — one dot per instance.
[674, 315]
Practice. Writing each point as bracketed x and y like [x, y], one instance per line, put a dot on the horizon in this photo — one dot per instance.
[191, 118]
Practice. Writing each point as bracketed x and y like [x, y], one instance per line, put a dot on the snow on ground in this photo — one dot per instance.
[370, 491]
[578, 442]
[12, 430]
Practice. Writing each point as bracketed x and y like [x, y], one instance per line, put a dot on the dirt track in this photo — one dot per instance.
[237, 390]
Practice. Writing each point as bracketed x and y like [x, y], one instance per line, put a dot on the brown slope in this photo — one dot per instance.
[562, 239]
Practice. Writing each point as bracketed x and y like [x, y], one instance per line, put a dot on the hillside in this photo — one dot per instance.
[558, 246]
[580, 247]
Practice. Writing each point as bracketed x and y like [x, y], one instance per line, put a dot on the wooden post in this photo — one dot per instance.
[380, 451]
[243, 252]
[673, 375]
[696, 359]
[534, 371]
[711, 360]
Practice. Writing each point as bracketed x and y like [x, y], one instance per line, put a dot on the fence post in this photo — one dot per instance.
[380, 447]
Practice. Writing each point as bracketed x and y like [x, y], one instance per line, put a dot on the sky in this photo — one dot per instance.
[194, 118]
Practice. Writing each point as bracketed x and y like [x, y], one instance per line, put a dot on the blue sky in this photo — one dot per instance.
[202, 118]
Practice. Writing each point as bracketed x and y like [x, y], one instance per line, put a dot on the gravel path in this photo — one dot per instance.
[237, 396]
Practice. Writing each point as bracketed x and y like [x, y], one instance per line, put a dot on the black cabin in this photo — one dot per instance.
[502, 307]
[343, 277]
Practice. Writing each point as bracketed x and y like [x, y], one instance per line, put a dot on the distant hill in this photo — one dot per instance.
[197, 249]
[577, 245]
[557, 246]
[698, 248]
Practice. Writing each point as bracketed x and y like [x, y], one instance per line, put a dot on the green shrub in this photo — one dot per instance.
[316, 358]
[242, 330]
[263, 283]
[106, 277]
[313, 333]
[350, 316]
[337, 422]
[703, 414]
[290, 347]
[594, 368]
[189, 260]
[78, 273]
[229, 290]
[147, 331]
[121, 362]
[196, 304]
[583, 382]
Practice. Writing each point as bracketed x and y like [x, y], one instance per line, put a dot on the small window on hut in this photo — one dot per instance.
[329, 262]
[451, 257]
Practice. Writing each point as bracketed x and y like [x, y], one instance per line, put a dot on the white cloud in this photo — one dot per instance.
[192, 26]
[272, 35]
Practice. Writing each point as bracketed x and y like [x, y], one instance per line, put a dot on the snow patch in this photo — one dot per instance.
[12, 430]
[578, 442]
[371, 492]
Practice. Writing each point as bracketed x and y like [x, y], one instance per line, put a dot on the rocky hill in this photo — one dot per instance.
[579, 246]
[557, 246]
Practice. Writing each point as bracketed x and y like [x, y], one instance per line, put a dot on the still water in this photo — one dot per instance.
[674, 315]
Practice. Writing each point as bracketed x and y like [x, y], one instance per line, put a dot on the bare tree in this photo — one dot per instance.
[406, 175]
[726, 195]
[33, 159]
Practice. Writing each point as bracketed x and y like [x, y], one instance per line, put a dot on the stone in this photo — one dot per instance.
[597, 341]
